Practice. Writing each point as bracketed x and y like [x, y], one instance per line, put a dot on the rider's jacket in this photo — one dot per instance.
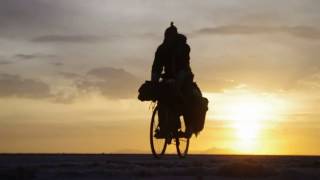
[171, 58]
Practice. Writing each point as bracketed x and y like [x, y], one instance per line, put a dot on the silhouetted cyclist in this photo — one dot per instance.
[172, 57]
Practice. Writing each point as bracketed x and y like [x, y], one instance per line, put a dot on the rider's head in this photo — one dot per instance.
[170, 33]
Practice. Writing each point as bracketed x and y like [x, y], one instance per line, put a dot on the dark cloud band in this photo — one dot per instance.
[67, 38]
[110, 82]
[306, 32]
[16, 86]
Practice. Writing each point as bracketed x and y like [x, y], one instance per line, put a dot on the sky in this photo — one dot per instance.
[70, 71]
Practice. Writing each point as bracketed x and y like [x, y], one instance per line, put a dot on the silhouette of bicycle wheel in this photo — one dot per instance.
[182, 143]
[158, 145]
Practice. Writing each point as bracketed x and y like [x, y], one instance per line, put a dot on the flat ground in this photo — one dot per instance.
[111, 166]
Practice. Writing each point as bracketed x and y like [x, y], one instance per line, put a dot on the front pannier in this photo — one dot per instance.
[148, 91]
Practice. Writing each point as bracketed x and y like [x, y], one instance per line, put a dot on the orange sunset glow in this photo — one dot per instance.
[70, 73]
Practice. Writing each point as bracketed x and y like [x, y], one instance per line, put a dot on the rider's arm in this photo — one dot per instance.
[157, 66]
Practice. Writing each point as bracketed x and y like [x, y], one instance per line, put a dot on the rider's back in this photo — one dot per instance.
[182, 54]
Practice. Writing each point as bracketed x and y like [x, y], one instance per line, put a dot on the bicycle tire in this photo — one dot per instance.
[156, 151]
[182, 150]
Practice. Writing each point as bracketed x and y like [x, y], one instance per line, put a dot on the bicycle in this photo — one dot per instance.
[159, 145]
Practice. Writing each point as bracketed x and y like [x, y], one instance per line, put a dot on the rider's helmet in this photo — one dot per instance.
[170, 32]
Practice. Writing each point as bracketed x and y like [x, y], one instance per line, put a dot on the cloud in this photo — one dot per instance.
[68, 39]
[306, 32]
[16, 86]
[5, 62]
[33, 56]
[310, 82]
[110, 82]
[19, 18]
[70, 75]
[24, 57]
[19, 87]
[216, 84]
[57, 63]
[65, 96]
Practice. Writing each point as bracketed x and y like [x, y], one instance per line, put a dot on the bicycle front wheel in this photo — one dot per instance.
[158, 145]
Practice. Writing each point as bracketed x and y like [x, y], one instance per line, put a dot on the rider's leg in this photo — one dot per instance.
[166, 125]
[175, 120]
[184, 83]
[163, 119]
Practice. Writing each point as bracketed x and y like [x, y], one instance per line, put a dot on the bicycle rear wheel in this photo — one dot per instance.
[158, 145]
[182, 143]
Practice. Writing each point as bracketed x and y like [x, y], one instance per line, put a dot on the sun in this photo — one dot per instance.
[247, 114]
[248, 109]
[245, 117]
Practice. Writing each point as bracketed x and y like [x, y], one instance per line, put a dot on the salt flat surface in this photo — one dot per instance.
[108, 166]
